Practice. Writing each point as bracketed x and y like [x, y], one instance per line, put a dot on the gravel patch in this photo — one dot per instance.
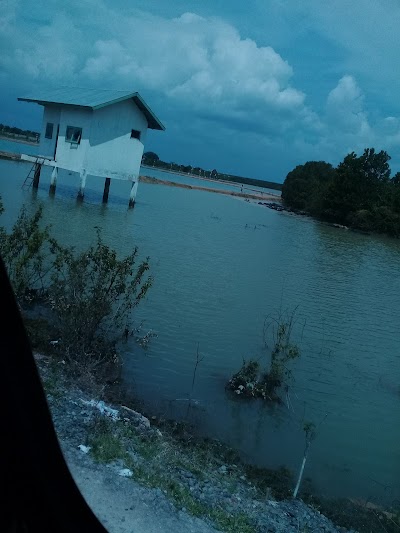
[147, 481]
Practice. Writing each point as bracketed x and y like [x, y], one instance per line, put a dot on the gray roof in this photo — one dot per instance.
[93, 99]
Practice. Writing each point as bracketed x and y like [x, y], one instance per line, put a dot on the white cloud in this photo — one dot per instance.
[366, 33]
[202, 69]
[345, 108]
[201, 64]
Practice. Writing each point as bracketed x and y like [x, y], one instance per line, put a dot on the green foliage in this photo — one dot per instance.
[246, 382]
[283, 350]
[106, 445]
[150, 158]
[306, 183]
[25, 253]
[254, 381]
[358, 193]
[358, 183]
[40, 331]
[271, 482]
[310, 431]
[12, 131]
[92, 295]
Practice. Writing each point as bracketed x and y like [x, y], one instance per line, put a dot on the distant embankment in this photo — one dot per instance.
[10, 155]
[216, 177]
[23, 139]
[251, 181]
[260, 196]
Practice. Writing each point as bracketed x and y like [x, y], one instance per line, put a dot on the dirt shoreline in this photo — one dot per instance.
[261, 196]
[20, 141]
[173, 480]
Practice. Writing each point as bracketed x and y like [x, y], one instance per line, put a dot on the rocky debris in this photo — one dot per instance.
[137, 418]
[103, 408]
[125, 472]
[84, 449]
[273, 205]
[212, 486]
[122, 505]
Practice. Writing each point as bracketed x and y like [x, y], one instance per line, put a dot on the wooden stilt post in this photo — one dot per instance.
[132, 195]
[53, 181]
[106, 190]
[36, 175]
[81, 192]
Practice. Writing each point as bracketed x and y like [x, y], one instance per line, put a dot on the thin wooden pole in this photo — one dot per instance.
[106, 190]
[36, 175]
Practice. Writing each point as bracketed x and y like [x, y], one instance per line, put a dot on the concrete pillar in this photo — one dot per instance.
[106, 190]
[36, 175]
[132, 195]
[81, 192]
[53, 181]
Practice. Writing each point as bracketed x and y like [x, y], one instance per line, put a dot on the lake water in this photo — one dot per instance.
[213, 184]
[220, 266]
[11, 146]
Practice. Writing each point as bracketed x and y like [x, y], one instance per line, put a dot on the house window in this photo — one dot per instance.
[135, 134]
[73, 135]
[49, 130]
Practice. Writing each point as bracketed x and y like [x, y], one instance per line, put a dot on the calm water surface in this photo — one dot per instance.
[11, 146]
[188, 180]
[220, 266]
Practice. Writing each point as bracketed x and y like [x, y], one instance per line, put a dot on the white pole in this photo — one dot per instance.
[133, 193]
[303, 464]
[53, 180]
[81, 191]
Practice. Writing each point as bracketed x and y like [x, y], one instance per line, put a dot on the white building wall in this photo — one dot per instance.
[106, 147]
[74, 156]
[51, 114]
[113, 153]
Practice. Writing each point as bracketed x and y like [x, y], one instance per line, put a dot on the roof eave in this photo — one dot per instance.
[48, 102]
[153, 122]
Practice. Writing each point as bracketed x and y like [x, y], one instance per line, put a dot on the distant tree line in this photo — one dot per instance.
[152, 159]
[359, 192]
[12, 131]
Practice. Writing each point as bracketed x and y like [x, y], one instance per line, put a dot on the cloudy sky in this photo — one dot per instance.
[251, 88]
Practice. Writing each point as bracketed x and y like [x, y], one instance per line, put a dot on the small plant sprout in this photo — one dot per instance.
[310, 434]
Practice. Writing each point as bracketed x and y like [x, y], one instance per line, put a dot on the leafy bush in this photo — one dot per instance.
[25, 252]
[91, 295]
[252, 381]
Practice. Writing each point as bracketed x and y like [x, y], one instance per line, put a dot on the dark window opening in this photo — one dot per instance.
[49, 130]
[135, 134]
[73, 135]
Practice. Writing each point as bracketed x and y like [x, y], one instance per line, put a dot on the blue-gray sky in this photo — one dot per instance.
[251, 88]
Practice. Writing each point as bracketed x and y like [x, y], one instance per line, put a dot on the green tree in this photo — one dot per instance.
[396, 179]
[305, 186]
[358, 185]
[150, 158]
[358, 193]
